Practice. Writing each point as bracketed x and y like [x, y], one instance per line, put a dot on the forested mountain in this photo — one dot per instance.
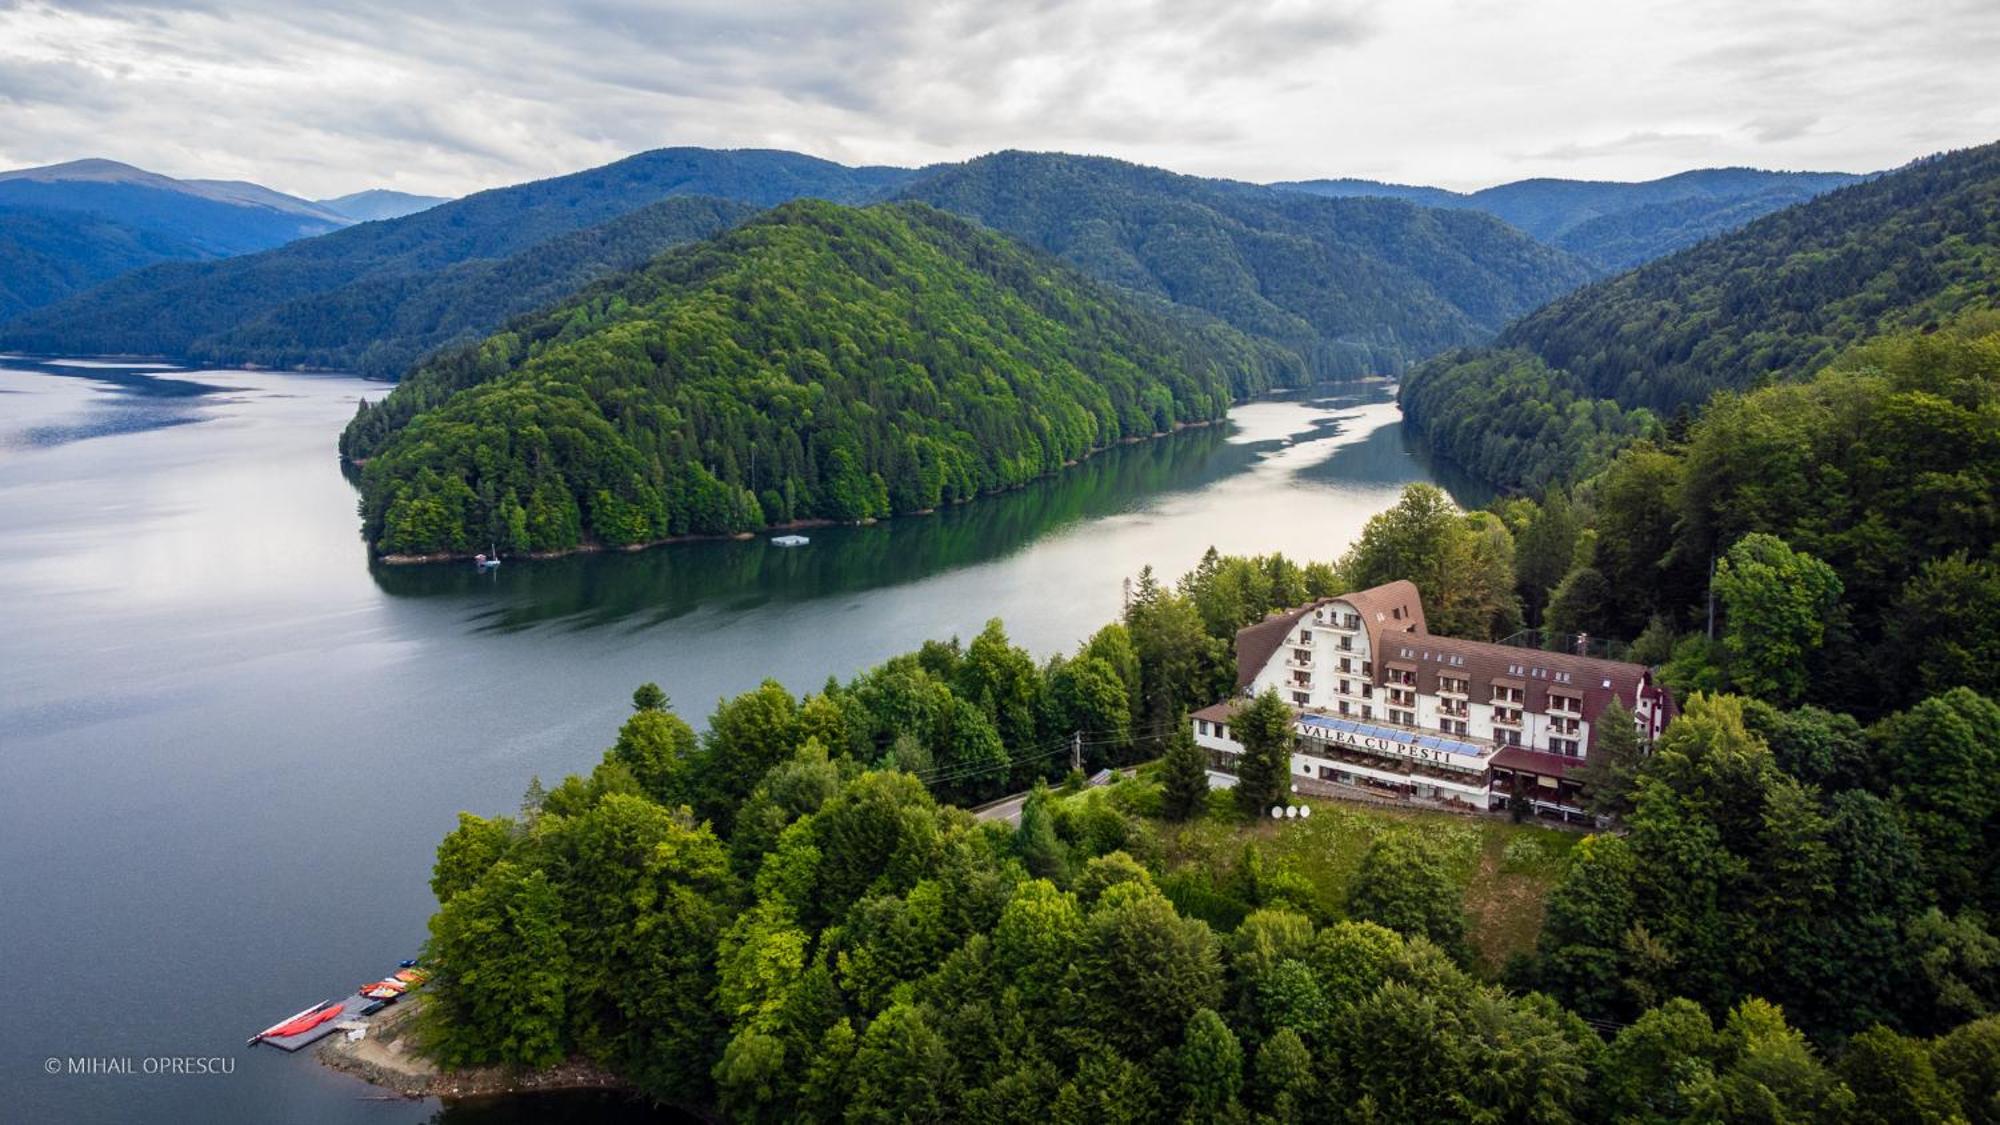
[1613, 225]
[381, 325]
[1776, 300]
[815, 362]
[67, 227]
[1784, 295]
[190, 310]
[1358, 286]
[380, 203]
[1350, 188]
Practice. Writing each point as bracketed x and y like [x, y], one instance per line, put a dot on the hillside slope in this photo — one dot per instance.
[1358, 286]
[381, 325]
[192, 311]
[816, 362]
[1772, 302]
[1784, 295]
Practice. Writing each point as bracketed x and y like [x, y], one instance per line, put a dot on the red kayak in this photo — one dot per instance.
[303, 1022]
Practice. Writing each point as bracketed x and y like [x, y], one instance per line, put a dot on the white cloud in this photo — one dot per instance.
[322, 98]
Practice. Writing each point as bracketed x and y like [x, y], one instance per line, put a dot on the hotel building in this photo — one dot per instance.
[1385, 707]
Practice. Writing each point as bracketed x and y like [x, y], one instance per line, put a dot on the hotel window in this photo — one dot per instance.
[1347, 644]
[1367, 712]
[1451, 684]
[1201, 726]
[1305, 636]
[1564, 746]
[1346, 665]
[1301, 698]
[1452, 726]
[1343, 706]
[1507, 695]
[1406, 718]
[1567, 703]
[1511, 716]
[1507, 737]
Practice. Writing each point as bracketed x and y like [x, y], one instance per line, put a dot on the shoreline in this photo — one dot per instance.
[792, 525]
[384, 1059]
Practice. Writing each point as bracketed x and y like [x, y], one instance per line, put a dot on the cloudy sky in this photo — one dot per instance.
[320, 98]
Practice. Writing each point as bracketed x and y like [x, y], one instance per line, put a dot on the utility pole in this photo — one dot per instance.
[1711, 597]
[1076, 751]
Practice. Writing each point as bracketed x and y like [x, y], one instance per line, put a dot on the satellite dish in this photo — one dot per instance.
[1277, 812]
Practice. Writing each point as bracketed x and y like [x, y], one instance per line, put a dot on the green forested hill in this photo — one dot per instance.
[815, 362]
[383, 325]
[1358, 286]
[1774, 301]
[1784, 295]
[245, 310]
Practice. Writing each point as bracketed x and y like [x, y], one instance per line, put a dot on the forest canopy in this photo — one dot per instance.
[818, 362]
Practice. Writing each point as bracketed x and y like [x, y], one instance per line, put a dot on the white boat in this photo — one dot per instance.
[790, 540]
[486, 562]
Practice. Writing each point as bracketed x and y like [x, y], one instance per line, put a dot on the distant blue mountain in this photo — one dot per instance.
[326, 301]
[380, 203]
[1614, 225]
[67, 227]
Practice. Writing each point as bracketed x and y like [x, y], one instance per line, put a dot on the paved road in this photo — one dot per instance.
[1008, 809]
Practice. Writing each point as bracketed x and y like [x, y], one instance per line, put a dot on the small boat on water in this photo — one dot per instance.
[789, 540]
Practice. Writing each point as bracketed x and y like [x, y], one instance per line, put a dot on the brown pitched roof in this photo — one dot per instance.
[1392, 607]
[1535, 761]
[1216, 712]
[1256, 643]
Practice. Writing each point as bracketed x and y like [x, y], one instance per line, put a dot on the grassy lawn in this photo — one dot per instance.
[1506, 869]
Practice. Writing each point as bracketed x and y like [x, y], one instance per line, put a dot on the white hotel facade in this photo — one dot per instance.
[1385, 707]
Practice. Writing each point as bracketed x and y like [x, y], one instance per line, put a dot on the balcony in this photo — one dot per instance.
[1450, 710]
[1506, 718]
[1568, 709]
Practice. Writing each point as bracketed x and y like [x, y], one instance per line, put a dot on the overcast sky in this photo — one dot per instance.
[325, 98]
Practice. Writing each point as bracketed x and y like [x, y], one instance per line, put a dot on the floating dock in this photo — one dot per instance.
[350, 1011]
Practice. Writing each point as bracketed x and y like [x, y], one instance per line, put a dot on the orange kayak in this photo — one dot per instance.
[303, 1023]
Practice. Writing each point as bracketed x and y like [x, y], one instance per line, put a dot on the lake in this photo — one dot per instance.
[229, 743]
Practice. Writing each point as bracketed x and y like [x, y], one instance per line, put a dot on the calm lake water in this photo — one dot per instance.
[228, 744]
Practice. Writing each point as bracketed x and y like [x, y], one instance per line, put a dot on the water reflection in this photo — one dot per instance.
[1303, 442]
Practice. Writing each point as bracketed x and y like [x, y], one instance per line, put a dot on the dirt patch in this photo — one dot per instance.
[387, 1057]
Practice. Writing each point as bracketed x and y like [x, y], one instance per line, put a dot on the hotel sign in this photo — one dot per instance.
[1380, 744]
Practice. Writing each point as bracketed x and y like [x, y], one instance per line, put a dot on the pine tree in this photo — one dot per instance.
[1264, 775]
[1184, 775]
